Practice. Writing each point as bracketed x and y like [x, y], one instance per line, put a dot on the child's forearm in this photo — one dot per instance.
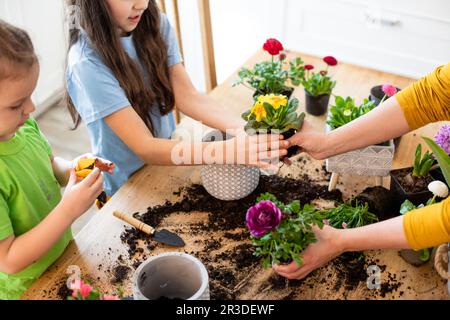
[385, 122]
[61, 170]
[387, 234]
[31, 246]
[210, 112]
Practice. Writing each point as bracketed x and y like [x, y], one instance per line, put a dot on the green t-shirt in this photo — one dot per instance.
[29, 191]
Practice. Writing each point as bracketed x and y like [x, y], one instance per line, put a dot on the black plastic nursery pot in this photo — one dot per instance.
[317, 105]
[401, 195]
[292, 151]
[377, 94]
[288, 91]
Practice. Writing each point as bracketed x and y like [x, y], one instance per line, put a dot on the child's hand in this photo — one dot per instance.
[80, 196]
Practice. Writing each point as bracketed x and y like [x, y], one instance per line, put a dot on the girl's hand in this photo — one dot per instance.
[80, 196]
[327, 247]
[311, 141]
[263, 151]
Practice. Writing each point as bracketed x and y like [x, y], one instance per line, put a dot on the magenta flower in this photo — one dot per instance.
[309, 67]
[262, 217]
[389, 90]
[442, 138]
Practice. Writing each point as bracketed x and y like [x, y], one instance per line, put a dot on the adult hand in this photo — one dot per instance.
[327, 247]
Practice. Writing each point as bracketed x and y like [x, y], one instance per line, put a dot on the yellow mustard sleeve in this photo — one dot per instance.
[429, 226]
[428, 99]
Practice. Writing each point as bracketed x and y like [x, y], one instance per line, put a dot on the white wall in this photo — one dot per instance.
[43, 19]
[406, 37]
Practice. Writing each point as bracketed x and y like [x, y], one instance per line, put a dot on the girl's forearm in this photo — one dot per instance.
[61, 170]
[169, 152]
[210, 112]
[31, 246]
[387, 234]
[385, 122]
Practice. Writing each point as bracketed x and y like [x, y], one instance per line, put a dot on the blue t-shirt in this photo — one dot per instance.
[96, 94]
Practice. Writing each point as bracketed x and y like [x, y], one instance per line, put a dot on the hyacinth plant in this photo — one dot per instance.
[281, 232]
[273, 113]
[442, 138]
[345, 111]
[439, 190]
[319, 83]
[273, 76]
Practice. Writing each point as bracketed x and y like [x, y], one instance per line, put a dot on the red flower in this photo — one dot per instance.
[331, 61]
[309, 67]
[273, 46]
[323, 73]
[282, 56]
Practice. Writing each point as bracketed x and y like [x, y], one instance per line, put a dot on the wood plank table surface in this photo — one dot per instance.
[98, 245]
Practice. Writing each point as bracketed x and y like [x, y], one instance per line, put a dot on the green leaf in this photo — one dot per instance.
[442, 158]
[407, 206]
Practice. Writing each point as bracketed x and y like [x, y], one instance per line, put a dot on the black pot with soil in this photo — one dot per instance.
[416, 258]
[407, 187]
[377, 94]
[287, 91]
[317, 105]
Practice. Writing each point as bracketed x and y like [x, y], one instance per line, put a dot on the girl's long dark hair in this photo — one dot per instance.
[96, 21]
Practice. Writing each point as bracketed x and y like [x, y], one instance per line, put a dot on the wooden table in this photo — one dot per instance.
[99, 242]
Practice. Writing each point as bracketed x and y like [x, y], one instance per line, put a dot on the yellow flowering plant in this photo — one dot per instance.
[274, 113]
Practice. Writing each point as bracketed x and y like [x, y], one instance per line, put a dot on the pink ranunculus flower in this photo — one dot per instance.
[78, 286]
[262, 217]
[389, 90]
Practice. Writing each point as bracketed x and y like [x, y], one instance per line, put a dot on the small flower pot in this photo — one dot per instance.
[288, 91]
[228, 182]
[171, 276]
[401, 194]
[292, 151]
[377, 94]
[317, 105]
[373, 160]
[413, 257]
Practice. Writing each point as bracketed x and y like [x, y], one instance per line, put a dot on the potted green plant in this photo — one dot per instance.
[442, 139]
[375, 160]
[276, 76]
[318, 87]
[275, 114]
[281, 232]
[411, 183]
[417, 258]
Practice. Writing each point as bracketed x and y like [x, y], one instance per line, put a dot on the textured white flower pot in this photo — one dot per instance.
[229, 182]
[370, 161]
[172, 275]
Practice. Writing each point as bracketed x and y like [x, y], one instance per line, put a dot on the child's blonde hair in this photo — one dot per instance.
[16, 51]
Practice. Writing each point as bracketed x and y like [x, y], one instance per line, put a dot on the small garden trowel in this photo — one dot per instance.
[162, 236]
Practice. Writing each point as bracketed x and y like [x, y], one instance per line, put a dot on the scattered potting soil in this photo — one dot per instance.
[63, 291]
[120, 273]
[410, 183]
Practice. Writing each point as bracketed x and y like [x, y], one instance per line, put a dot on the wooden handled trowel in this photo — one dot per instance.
[162, 236]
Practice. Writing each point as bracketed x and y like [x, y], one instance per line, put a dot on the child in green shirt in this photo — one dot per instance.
[34, 219]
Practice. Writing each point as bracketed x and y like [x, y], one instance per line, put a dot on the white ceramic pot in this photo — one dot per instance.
[228, 182]
[172, 275]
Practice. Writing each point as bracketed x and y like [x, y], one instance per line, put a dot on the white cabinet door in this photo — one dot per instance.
[407, 37]
[44, 21]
